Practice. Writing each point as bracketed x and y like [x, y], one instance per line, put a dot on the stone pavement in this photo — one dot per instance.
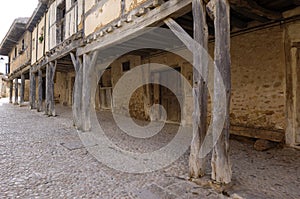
[42, 157]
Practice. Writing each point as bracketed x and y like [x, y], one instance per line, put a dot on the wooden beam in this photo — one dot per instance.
[77, 91]
[200, 90]
[50, 104]
[16, 91]
[221, 167]
[40, 91]
[52, 70]
[11, 86]
[32, 90]
[89, 75]
[253, 7]
[22, 91]
[140, 23]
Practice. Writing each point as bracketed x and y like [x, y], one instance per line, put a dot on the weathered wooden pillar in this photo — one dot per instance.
[11, 87]
[52, 102]
[77, 91]
[16, 91]
[22, 91]
[40, 91]
[200, 90]
[47, 90]
[50, 74]
[221, 166]
[32, 90]
[89, 62]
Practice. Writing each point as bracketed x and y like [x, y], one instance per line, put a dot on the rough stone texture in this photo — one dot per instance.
[42, 157]
[258, 79]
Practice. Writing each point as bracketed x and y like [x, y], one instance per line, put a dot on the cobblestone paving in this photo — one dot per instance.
[42, 157]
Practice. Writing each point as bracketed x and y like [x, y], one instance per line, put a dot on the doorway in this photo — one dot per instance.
[169, 98]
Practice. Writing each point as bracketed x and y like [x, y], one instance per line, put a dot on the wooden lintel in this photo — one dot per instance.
[124, 33]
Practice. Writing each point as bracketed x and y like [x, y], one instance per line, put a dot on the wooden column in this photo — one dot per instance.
[11, 87]
[89, 62]
[221, 167]
[50, 74]
[40, 91]
[77, 91]
[200, 90]
[47, 90]
[22, 91]
[32, 90]
[16, 91]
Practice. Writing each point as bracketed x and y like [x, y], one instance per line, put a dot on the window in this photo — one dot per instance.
[60, 20]
[23, 44]
[125, 66]
[16, 52]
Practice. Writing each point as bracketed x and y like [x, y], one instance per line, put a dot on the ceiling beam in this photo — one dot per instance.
[252, 7]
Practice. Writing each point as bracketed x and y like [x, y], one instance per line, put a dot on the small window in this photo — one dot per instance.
[16, 52]
[23, 44]
[125, 66]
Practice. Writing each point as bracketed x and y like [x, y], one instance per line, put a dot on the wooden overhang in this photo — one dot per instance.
[13, 35]
[36, 16]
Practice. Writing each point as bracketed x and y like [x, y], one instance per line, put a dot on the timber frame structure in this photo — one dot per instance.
[74, 36]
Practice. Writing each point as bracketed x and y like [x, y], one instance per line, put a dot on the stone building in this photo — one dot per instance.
[16, 45]
[70, 38]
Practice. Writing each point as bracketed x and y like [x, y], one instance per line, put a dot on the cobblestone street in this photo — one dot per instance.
[42, 157]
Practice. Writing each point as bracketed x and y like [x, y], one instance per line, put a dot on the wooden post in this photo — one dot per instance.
[22, 91]
[47, 101]
[221, 167]
[16, 91]
[89, 62]
[32, 90]
[200, 91]
[77, 91]
[50, 74]
[11, 87]
[40, 91]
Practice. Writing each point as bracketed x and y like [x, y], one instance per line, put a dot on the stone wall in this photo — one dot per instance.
[258, 79]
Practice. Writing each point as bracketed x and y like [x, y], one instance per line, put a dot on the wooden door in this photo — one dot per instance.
[170, 100]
